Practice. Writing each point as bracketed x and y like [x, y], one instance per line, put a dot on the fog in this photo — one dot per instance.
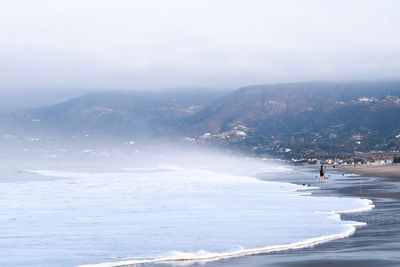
[110, 176]
[96, 44]
[17, 100]
[91, 154]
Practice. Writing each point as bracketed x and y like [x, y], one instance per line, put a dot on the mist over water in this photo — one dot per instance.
[92, 176]
[160, 203]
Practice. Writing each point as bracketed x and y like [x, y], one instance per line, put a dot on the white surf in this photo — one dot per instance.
[164, 214]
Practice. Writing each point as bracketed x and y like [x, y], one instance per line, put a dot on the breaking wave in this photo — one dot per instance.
[236, 215]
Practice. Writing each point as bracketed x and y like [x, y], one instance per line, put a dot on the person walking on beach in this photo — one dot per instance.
[321, 173]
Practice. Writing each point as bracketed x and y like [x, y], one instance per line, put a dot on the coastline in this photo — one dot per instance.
[388, 171]
[374, 245]
[207, 257]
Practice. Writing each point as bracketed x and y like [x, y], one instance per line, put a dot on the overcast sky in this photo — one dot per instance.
[123, 44]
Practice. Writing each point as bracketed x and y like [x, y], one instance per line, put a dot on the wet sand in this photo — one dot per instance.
[377, 244]
[389, 171]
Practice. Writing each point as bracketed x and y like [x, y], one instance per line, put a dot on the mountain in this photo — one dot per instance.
[298, 118]
[117, 112]
[310, 119]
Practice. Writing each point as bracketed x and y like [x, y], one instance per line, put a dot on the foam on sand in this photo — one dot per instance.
[204, 256]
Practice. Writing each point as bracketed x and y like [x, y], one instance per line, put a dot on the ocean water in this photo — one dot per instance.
[65, 216]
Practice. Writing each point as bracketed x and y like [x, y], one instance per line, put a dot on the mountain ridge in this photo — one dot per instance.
[334, 112]
[310, 118]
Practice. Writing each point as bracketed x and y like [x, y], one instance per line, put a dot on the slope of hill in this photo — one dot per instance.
[310, 119]
[117, 113]
[306, 117]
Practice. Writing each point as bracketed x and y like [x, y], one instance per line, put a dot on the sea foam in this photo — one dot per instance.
[167, 215]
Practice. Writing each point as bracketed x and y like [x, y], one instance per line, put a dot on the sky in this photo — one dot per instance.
[129, 44]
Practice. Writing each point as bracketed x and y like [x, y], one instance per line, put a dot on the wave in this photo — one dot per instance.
[203, 256]
[197, 185]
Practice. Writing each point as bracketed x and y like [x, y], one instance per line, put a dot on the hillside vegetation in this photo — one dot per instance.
[309, 119]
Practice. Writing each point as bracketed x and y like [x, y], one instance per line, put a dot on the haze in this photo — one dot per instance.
[96, 44]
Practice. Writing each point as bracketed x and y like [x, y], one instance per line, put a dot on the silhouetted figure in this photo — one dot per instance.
[321, 173]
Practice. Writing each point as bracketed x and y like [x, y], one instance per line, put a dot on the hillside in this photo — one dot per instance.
[115, 113]
[303, 118]
[289, 120]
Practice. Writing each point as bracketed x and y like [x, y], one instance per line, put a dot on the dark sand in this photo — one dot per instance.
[389, 171]
[377, 244]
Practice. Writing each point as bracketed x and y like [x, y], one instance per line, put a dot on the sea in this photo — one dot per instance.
[105, 214]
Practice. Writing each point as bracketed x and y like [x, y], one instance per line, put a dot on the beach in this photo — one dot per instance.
[389, 171]
[234, 216]
[376, 244]
[111, 217]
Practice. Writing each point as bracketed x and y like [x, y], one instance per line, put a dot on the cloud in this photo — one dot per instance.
[125, 44]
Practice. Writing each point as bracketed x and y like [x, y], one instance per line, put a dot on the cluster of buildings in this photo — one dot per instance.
[373, 158]
[235, 134]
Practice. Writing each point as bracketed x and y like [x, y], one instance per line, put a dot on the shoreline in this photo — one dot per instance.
[209, 258]
[387, 171]
[376, 244]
